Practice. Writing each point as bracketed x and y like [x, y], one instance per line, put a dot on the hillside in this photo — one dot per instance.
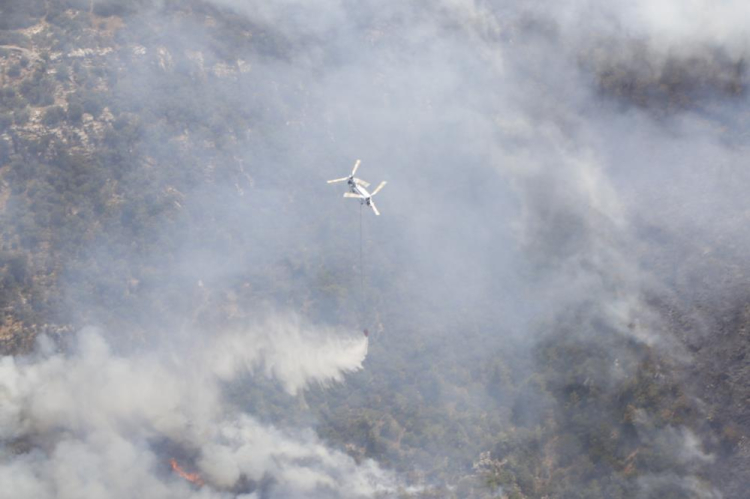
[555, 290]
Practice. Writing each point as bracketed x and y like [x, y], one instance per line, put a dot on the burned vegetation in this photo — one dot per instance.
[640, 73]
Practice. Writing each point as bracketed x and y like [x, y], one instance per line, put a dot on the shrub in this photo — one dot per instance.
[20, 15]
[39, 91]
[21, 116]
[53, 116]
[75, 111]
[7, 93]
[62, 73]
[92, 105]
[4, 152]
[6, 120]
[14, 71]
[108, 9]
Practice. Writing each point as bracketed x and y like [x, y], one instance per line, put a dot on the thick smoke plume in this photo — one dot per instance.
[91, 423]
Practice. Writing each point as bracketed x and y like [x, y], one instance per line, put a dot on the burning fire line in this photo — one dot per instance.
[190, 477]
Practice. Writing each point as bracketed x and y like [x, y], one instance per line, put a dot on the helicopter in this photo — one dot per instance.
[358, 188]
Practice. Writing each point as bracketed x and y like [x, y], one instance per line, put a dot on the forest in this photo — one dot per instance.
[554, 293]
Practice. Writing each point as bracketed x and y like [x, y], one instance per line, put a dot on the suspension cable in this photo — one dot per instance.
[361, 265]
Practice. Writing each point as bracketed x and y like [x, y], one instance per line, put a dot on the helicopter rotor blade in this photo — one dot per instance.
[352, 195]
[338, 180]
[356, 165]
[377, 189]
[361, 182]
[374, 208]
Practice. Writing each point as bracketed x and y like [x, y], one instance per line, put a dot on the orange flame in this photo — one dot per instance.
[190, 477]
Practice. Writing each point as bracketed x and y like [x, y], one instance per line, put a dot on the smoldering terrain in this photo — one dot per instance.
[555, 290]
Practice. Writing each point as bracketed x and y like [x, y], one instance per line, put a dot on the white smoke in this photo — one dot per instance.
[91, 423]
[288, 352]
[675, 23]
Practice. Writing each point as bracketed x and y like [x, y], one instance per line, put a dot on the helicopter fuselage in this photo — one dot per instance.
[360, 191]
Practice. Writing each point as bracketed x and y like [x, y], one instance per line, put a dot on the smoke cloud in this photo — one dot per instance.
[90, 422]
